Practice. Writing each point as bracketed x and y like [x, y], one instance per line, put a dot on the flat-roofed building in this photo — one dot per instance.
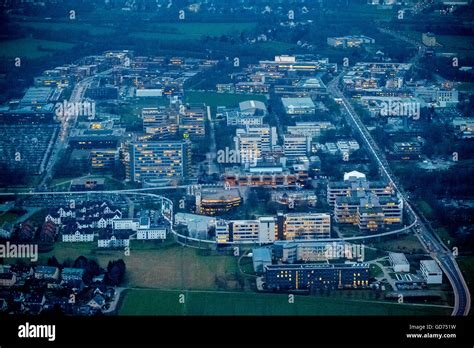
[307, 226]
[431, 272]
[310, 129]
[157, 160]
[399, 262]
[286, 277]
[192, 120]
[298, 106]
[296, 145]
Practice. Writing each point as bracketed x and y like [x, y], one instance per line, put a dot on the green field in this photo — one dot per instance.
[163, 302]
[191, 31]
[31, 48]
[214, 99]
[8, 217]
[160, 265]
[425, 208]
[89, 28]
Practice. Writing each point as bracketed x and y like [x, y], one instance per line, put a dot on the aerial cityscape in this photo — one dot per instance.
[236, 158]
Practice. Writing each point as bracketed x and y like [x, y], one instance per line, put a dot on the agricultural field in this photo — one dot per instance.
[191, 31]
[163, 302]
[31, 48]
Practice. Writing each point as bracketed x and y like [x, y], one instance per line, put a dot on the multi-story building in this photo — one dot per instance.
[267, 134]
[249, 147]
[158, 160]
[307, 226]
[296, 145]
[237, 231]
[294, 251]
[215, 201]
[72, 234]
[355, 181]
[316, 276]
[103, 159]
[367, 210]
[268, 229]
[160, 121]
[309, 129]
[192, 120]
[143, 227]
[269, 175]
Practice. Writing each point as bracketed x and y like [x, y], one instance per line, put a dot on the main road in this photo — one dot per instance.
[431, 242]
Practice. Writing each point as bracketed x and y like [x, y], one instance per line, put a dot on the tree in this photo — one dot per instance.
[115, 272]
[52, 261]
[81, 262]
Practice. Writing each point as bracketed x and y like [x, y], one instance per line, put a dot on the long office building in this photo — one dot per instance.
[192, 121]
[295, 226]
[307, 226]
[286, 277]
[158, 160]
[296, 145]
[161, 122]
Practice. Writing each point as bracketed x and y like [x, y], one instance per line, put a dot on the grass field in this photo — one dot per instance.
[405, 244]
[214, 99]
[8, 217]
[158, 265]
[31, 48]
[191, 31]
[89, 28]
[425, 208]
[163, 302]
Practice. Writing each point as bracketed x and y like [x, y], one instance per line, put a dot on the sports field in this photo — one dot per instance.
[164, 302]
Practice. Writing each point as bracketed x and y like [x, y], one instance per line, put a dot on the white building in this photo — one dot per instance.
[78, 235]
[117, 240]
[309, 129]
[296, 145]
[142, 226]
[298, 106]
[266, 229]
[431, 272]
[249, 147]
[399, 262]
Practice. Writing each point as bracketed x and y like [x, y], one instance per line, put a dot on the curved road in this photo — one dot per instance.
[432, 244]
